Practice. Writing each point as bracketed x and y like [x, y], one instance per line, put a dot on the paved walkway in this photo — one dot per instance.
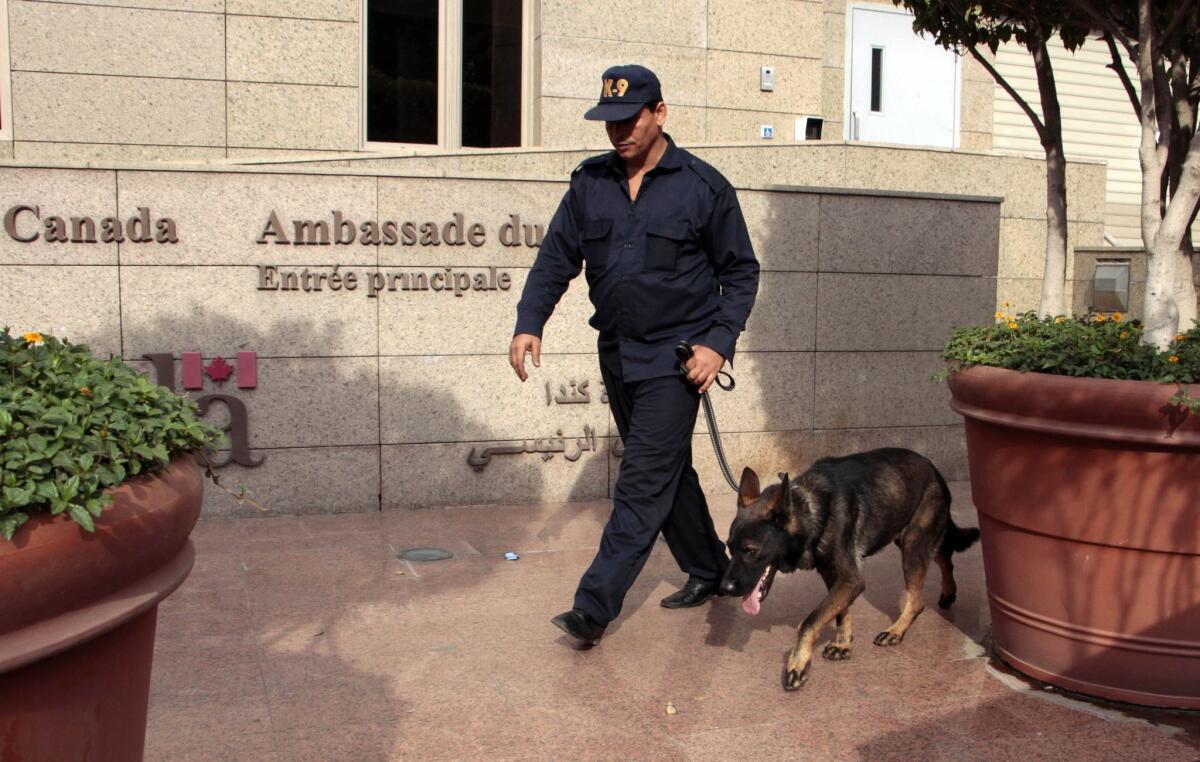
[305, 639]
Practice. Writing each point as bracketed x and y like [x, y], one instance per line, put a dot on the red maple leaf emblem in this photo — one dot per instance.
[219, 370]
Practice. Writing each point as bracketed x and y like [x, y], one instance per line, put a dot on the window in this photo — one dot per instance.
[6, 127]
[876, 79]
[1110, 286]
[446, 73]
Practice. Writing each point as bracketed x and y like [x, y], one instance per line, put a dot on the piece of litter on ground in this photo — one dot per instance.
[510, 556]
[671, 708]
[400, 573]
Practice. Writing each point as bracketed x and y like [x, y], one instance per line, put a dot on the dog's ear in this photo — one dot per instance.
[779, 500]
[748, 490]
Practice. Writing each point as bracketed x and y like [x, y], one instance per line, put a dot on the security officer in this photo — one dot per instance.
[668, 258]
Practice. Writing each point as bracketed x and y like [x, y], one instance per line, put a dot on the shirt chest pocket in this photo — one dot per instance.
[664, 244]
[596, 239]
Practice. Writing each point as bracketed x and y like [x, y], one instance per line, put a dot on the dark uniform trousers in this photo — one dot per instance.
[657, 490]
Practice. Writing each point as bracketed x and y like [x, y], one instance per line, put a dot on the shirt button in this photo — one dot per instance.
[629, 246]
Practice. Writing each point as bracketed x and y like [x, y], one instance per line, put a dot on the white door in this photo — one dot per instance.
[903, 87]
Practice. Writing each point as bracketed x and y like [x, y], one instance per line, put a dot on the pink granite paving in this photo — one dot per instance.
[305, 639]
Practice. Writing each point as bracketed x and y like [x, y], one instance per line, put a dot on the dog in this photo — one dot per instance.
[833, 516]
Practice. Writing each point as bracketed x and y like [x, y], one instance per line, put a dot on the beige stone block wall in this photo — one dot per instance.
[707, 55]
[58, 153]
[192, 80]
[198, 6]
[1018, 181]
[76, 302]
[64, 39]
[66, 108]
[366, 402]
[332, 10]
[292, 51]
[301, 481]
[229, 211]
[63, 193]
[678, 23]
[215, 309]
[741, 126]
[779, 27]
[292, 116]
[571, 67]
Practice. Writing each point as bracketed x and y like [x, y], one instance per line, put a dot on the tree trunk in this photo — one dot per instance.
[1185, 284]
[1160, 315]
[1055, 275]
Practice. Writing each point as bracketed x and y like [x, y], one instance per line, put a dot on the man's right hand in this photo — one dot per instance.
[522, 344]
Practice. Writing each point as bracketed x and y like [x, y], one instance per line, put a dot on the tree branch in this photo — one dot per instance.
[1164, 114]
[1012, 93]
[1102, 22]
[1118, 66]
[1173, 26]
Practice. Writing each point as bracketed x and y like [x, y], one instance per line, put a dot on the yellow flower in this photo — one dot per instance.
[999, 315]
[85, 391]
[1006, 303]
[32, 338]
[1124, 334]
[1117, 316]
[1179, 337]
[1012, 324]
[1100, 318]
[1060, 319]
[1173, 358]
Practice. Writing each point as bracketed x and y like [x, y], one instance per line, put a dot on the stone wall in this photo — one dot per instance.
[1019, 181]
[362, 402]
[206, 80]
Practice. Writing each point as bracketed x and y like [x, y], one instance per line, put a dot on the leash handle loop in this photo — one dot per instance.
[684, 352]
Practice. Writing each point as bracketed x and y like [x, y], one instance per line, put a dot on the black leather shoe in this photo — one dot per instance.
[579, 626]
[693, 593]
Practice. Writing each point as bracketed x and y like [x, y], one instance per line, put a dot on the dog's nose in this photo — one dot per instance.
[727, 587]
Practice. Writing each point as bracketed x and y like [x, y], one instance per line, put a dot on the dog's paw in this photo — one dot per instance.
[888, 638]
[834, 652]
[793, 679]
[946, 600]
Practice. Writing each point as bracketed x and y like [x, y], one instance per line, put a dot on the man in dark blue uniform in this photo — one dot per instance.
[668, 258]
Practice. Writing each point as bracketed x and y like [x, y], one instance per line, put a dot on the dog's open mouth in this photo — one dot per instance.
[752, 601]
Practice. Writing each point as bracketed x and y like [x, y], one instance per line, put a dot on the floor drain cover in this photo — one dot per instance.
[424, 554]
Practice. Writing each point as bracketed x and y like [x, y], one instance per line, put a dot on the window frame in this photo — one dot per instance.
[449, 109]
[6, 115]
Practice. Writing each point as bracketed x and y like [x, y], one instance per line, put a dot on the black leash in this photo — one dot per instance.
[683, 351]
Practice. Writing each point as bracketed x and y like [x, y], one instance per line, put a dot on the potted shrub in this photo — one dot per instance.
[1082, 437]
[1084, 460]
[99, 491]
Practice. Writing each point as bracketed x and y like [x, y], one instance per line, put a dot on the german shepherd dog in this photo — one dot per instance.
[834, 515]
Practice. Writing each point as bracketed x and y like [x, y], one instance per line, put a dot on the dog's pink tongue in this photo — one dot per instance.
[750, 602]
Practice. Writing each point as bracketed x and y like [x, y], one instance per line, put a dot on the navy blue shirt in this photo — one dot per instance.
[676, 263]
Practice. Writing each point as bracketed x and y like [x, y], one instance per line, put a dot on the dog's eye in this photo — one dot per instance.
[749, 550]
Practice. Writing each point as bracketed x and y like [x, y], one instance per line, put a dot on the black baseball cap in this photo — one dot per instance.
[623, 92]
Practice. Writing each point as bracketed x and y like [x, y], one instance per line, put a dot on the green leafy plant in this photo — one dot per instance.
[1096, 345]
[73, 425]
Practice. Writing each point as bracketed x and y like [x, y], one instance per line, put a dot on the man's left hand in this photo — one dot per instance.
[703, 366]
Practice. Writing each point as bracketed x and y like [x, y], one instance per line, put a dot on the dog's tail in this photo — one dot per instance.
[957, 539]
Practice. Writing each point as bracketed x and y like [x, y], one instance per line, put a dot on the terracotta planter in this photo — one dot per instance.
[1088, 492]
[77, 616]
